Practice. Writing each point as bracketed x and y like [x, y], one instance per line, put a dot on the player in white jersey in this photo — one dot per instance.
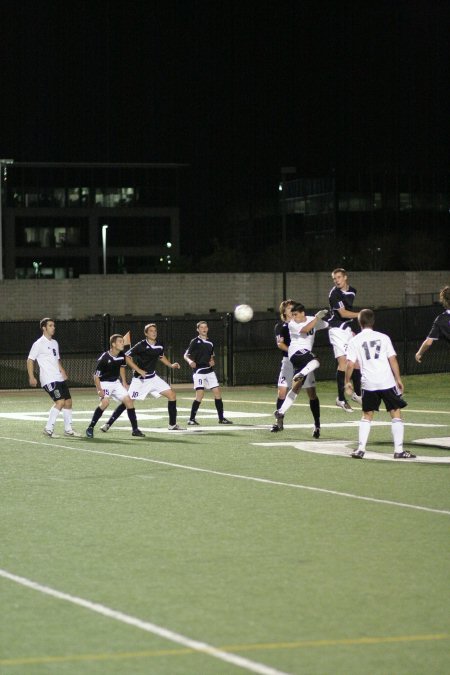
[302, 329]
[380, 379]
[53, 378]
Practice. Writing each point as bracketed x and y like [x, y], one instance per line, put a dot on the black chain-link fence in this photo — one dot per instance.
[245, 353]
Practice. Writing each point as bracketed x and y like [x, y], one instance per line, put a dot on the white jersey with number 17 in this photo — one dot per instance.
[372, 350]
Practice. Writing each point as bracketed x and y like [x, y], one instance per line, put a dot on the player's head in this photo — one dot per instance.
[285, 308]
[44, 322]
[150, 331]
[202, 327]
[339, 276]
[298, 312]
[114, 341]
[366, 318]
[444, 297]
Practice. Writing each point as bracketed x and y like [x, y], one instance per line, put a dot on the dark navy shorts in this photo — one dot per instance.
[57, 390]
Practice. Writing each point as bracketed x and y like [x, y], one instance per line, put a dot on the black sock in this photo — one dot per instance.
[172, 408]
[340, 378]
[315, 409]
[98, 412]
[195, 407]
[280, 402]
[219, 407]
[116, 414]
[131, 412]
[356, 379]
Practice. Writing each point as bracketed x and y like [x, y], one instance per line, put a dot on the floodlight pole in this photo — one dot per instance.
[104, 228]
[3, 165]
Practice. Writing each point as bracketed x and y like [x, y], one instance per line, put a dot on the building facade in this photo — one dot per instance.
[61, 220]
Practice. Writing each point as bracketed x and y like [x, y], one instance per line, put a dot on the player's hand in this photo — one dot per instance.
[321, 313]
[400, 387]
[33, 382]
[192, 364]
[175, 365]
[101, 394]
[418, 357]
[212, 363]
[349, 388]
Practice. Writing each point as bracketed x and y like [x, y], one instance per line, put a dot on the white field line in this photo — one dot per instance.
[264, 481]
[203, 647]
[231, 401]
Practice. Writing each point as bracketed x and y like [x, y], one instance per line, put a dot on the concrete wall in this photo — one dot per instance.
[177, 294]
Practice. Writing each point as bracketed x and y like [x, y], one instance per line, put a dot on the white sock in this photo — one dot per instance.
[312, 365]
[52, 417]
[67, 412]
[288, 401]
[398, 431]
[364, 431]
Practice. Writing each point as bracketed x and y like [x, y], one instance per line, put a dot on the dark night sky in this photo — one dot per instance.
[236, 89]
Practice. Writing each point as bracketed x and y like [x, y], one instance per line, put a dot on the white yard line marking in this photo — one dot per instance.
[264, 481]
[203, 647]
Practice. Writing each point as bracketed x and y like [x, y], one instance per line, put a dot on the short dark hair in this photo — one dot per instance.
[284, 305]
[298, 307]
[444, 296]
[43, 322]
[114, 338]
[366, 318]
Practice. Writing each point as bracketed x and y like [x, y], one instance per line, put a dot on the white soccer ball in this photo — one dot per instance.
[243, 313]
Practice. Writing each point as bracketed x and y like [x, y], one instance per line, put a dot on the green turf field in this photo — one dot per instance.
[221, 550]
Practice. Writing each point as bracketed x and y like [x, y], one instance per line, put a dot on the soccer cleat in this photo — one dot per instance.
[106, 427]
[225, 421]
[49, 434]
[358, 454]
[404, 455]
[90, 432]
[174, 427]
[344, 405]
[357, 398]
[72, 433]
[279, 417]
[275, 429]
[137, 432]
[193, 423]
[316, 432]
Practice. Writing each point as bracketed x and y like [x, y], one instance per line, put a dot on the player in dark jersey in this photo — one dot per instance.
[110, 382]
[341, 298]
[142, 358]
[200, 357]
[441, 325]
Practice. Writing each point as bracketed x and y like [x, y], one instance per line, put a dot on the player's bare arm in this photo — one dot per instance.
[396, 372]
[135, 367]
[123, 377]
[98, 386]
[167, 363]
[30, 368]
[425, 346]
[346, 313]
[281, 344]
[189, 361]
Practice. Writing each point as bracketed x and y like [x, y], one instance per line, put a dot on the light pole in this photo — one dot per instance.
[3, 173]
[104, 228]
[285, 171]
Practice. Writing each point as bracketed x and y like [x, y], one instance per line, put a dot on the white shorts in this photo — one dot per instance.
[205, 380]
[140, 389]
[339, 339]
[286, 373]
[114, 390]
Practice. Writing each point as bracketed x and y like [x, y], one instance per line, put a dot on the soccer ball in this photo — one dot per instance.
[243, 313]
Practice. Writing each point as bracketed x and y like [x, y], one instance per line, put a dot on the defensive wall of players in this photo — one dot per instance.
[198, 294]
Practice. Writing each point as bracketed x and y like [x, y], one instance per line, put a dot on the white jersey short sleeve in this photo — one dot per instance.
[46, 353]
[372, 349]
